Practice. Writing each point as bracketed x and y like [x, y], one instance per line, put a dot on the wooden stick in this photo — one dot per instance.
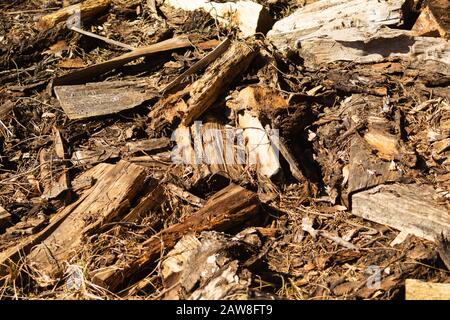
[104, 39]
[81, 75]
[229, 207]
[87, 10]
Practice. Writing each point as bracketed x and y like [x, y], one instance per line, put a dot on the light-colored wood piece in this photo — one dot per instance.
[420, 290]
[409, 208]
[250, 17]
[87, 9]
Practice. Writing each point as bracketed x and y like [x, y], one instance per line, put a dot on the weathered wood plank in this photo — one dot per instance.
[408, 208]
[367, 45]
[103, 98]
[108, 199]
[82, 75]
[229, 207]
[326, 15]
[434, 20]
[189, 104]
[248, 16]
[420, 290]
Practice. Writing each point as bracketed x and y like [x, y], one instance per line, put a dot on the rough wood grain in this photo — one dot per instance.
[229, 207]
[111, 195]
[420, 290]
[248, 16]
[88, 9]
[408, 208]
[82, 75]
[103, 98]
[261, 151]
[325, 15]
[190, 103]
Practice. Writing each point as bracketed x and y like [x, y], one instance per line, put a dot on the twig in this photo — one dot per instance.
[104, 39]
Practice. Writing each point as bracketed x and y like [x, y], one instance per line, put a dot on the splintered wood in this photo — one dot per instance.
[409, 208]
[108, 199]
[229, 207]
[87, 9]
[191, 103]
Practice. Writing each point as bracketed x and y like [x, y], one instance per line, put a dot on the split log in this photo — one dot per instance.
[80, 76]
[204, 92]
[5, 218]
[57, 182]
[103, 98]
[366, 46]
[434, 20]
[13, 254]
[326, 15]
[116, 187]
[195, 268]
[87, 9]
[408, 208]
[248, 16]
[261, 151]
[420, 290]
[229, 207]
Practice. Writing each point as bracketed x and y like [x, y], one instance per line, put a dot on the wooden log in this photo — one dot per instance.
[115, 189]
[367, 46]
[326, 15]
[248, 16]
[204, 92]
[103, 98]
[87, 9]
[229, 207]
[80, 76]
[146, 206]
[433, 20]
[188, 270]
[13, 254]
[408, 208]
[420, 290]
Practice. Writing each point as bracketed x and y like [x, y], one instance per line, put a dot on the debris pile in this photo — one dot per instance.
[275, 149]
